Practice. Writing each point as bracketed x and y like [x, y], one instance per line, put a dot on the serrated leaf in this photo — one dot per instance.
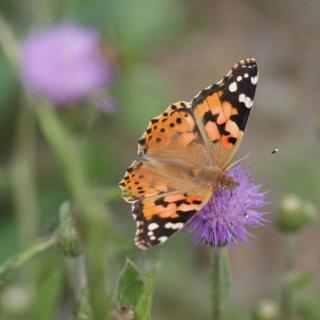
[130, 286]
[298, 282]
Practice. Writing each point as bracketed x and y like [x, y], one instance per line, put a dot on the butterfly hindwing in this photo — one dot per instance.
[159, 207]
[222, 110]
[140, 181]
[159, 218]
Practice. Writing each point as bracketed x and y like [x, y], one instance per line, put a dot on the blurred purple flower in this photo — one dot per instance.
[225, 217]
[64, 64]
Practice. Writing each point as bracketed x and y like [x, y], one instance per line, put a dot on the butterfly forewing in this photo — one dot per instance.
[222, 111]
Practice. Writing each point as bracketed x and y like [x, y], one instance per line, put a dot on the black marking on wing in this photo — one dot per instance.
[163, 227]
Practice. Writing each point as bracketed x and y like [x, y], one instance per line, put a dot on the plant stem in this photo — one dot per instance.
[217, 274]
[23, 175]
[94, 216]
[9, 43]
[286, 294]
[10, 266]
[77, 275]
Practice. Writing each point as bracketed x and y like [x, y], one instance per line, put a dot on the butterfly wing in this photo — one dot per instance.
[155, 185]
[160, 217]
[159, 206]
[173, 136]
[221, 111]
[162, 185]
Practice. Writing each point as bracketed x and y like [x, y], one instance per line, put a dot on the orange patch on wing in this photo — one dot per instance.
[189, 120]
[169, 212]
[212, 131]
[174, 198]
[234, 132]
[233, 128]
[225, 143]
[186, 207]
[172, 129]
[185, 138]
[194, 198]
[227, 110]
[140, 181]
[202, 108]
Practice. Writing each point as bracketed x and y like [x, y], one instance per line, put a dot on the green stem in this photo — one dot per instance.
[23, 176]
[94, 217]
[77, 275]
[10, 266]
[286, 294]
[217, 274]
[9, 43]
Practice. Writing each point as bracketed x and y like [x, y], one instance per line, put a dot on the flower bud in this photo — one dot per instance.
[266, 310]
[294, 214]
[68, 241]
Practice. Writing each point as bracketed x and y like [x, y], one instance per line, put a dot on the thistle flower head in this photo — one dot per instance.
[228, 213]
[64, 64]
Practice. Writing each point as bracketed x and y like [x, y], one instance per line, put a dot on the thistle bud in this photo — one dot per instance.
[68, 241]
[294, 214]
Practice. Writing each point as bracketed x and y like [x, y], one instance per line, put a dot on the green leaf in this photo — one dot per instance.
[134, 292]
[143, 310]
[130, 287]
[300, 281]
[48, 294]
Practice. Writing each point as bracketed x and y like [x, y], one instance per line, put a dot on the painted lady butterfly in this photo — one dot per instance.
[184, 154]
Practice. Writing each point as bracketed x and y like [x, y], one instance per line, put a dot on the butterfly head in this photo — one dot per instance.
[226, 182]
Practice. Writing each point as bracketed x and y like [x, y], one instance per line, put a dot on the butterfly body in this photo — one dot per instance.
[184, 155]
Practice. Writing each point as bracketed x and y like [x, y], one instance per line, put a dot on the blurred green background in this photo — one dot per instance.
[164, 51]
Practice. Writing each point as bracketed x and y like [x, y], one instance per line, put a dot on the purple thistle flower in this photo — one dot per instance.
[227, 214]
[64, 63]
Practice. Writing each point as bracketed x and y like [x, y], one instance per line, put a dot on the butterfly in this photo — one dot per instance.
[184, 155]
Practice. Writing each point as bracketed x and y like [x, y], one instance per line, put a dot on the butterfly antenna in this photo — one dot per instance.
[239, 160]
[274, 151]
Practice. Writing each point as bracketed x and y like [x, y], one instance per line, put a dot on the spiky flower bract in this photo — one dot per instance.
[229, 212]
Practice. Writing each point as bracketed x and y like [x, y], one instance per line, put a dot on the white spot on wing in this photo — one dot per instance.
[174, 226]
[254, 80]
[242, 97]
[246, 100]
[239, 78]
[246, 75]
[233, 87]
[153, 226]
[163, 239]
